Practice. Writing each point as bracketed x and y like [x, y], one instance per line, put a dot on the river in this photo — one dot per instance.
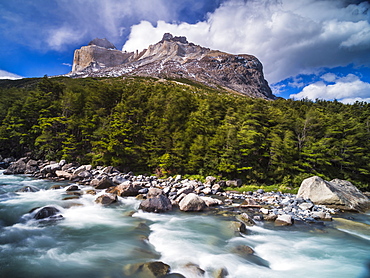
[96, 241]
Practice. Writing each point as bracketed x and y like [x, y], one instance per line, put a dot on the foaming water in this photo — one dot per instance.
[92, 240]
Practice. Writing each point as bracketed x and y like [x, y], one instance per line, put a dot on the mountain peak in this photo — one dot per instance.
[174, 58]
[102, 43]
[170, 37]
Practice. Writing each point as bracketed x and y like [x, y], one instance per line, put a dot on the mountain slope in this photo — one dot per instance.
[174, 57]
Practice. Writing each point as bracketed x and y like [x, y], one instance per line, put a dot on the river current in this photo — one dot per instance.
[96, 241]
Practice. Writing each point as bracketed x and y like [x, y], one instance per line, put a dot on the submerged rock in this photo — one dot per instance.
[28, 188]
[194, 269]
[247, 253]
[146, 270]
[220, 273]
[246, 219]
[237, 227]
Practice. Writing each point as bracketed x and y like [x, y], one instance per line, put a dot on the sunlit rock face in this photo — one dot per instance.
[174, 57]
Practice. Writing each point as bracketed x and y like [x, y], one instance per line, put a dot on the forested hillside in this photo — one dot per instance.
[168, 127]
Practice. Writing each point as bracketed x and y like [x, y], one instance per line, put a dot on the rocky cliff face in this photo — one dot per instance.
[175, 57]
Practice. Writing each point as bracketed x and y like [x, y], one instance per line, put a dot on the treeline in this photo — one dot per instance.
[167, 127]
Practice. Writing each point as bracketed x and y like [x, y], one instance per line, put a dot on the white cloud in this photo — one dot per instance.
[344, 89]
[289, 37]
[63, 36]
[8, 75]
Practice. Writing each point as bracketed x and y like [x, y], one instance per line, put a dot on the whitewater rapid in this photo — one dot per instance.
[96, 241]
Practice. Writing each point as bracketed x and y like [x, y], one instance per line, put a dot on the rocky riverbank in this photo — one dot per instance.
[162, 195]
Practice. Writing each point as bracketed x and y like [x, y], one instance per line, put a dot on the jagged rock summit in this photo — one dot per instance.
[174, 58]
[102, 43]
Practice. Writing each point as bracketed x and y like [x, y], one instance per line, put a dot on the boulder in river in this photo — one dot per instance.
[103, 183]
[156, 201]
[47, 212]
[127, 189]
[246, 219]
[192, 202]
[247, 253]
[28, 188]
[337, 193]
[284, 220]
[63, 174]
[31, 167]
[106, 199]
[147, 270]
[211, 201]
[17, 167]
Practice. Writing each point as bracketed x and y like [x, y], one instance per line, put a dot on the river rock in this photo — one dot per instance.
[73, 188]
[247, 253]
[186, 190]
[156, 201]
[270, 217]
[103, 183]
[194, 269]
[47, 212]
[192, 202]
[246, 219]
[306, 206]
[17, 167]
[284, 220]
[234, 183]
[146, 270]
[106, 199]
[220, 273]
[31, 166]
[126, 189]
[211, 201]
[28, 188]
[63, 174]
[237, 227]
[337, 193]
[50, 169]
[210, 180]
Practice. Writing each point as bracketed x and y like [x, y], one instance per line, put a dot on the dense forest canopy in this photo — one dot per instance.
[168, 127]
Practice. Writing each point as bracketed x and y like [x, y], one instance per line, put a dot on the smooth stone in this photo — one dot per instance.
[246, 219]
[106, 199]
[284, 220]
[192, 202]
[47, 212]
[146, 270]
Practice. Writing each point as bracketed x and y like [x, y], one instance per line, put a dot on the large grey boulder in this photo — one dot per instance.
[127, 189]
[337, 193]
[31, 166]
[156, 201]
[106, 199]
[17, 167]
[102, 183]
[192, 202]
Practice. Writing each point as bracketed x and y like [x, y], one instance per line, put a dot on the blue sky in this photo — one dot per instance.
[309, 48]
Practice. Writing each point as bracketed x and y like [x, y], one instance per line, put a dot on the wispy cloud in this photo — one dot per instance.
[8, 75]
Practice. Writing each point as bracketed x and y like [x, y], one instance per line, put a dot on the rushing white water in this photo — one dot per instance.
[96, 241]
